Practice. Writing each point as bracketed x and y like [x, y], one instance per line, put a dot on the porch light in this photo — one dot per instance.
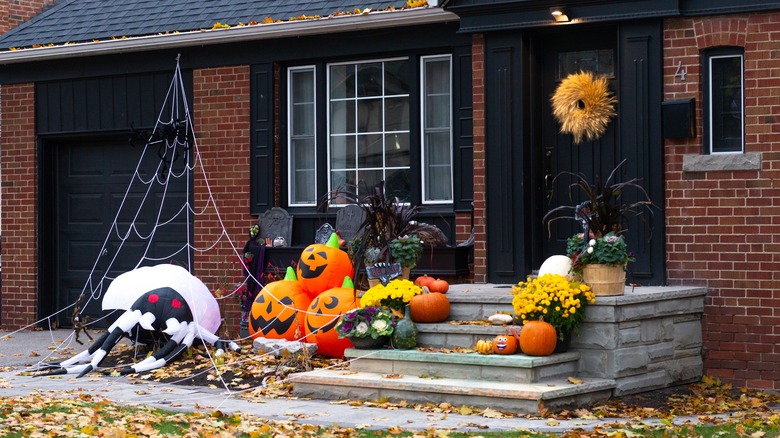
[559, 14]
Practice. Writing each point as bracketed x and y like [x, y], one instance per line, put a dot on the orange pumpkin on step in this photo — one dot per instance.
[506, 343]
[324, 313]
[538, 338]
[278, 310]
[429, 306]
[323, 266]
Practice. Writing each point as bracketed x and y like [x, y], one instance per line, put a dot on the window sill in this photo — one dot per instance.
[721, 162]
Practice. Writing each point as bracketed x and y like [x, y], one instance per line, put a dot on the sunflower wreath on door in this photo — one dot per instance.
[584, 106]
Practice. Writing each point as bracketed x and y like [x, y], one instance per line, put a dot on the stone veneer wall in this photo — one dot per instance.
[647, 339]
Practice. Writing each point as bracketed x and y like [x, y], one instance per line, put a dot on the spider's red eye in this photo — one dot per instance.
[153, 298]
[176, 304]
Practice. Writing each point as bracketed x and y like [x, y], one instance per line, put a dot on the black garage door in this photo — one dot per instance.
[110, 217]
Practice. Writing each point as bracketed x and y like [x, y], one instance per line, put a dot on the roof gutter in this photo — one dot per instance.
[346, 23]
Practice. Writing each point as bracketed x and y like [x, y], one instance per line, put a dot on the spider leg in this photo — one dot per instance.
[170, 350]
[216, 341]
[123, 325]
[84, 356]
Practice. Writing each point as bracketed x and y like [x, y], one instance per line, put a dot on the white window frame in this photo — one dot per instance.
[290, 171]
[424, 130]
[328, 117]
[710, 93]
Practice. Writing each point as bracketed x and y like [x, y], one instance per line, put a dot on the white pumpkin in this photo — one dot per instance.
[557, 264]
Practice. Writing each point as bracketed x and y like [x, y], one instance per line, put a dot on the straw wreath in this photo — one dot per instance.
[583, 105]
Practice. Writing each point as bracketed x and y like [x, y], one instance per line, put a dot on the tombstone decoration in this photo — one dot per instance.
[349, 220]
[384, 272]
[275, 223]
[323, 233]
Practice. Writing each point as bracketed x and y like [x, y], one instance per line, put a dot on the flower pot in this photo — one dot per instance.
[605, 280]
[406, 272]
[369, 343]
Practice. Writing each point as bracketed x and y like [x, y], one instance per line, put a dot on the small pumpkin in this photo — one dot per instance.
[505, 344]
[484, 346]
[439, 285]
[538, 338]
[423, 280]
[429, 306]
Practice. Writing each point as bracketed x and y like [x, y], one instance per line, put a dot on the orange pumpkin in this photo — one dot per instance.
[423, 280]
[324, 313]
[505, 344]
[323, 266]
[538, 338]
[439, 285]
[429, 306]
[278, 310]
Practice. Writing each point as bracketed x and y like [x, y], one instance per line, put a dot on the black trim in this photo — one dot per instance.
[261, 143]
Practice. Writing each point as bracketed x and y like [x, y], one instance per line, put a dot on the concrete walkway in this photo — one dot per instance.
[20, 351]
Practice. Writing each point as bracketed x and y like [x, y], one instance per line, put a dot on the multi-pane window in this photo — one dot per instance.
[302, 158]
[372, 108]
[436, 132]
[724, 101]
[369, 126]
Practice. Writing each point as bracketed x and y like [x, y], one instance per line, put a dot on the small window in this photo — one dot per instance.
[302, 156]
[724, 101]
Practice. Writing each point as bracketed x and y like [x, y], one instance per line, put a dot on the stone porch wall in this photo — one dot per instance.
[647, 339]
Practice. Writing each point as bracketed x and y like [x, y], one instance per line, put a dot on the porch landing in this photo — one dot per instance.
[647, 339]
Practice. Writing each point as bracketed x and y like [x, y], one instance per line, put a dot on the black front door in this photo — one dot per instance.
[557, 55]
[112, 213]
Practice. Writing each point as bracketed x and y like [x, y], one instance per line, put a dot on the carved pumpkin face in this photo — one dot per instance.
[278, 310]
[323, 314]
[322, 267]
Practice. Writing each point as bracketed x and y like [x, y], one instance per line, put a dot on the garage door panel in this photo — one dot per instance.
[94, 176]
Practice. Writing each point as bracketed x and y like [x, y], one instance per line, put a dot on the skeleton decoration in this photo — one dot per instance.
[162, 303]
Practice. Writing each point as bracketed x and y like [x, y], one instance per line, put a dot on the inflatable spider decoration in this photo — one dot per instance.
[160, 302]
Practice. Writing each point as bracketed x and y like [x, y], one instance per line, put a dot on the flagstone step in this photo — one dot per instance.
[516, 368]
[522, 398]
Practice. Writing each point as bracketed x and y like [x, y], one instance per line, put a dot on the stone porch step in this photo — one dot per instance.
[522, 398]
[516, 368]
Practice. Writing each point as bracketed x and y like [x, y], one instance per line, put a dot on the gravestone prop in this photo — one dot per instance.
[276, 223]
[323, 233]
[348, 222]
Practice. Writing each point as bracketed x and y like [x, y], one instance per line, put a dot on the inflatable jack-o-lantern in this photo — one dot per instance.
[324, 313]
[278, 310]
[323, 266]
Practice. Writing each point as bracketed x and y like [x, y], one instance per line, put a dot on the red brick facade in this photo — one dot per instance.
[16, 12]
[20, 206]
[723, 227]
[221, 114]
[480, 204]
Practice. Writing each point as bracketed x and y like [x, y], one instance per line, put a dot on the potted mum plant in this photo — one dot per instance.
[556, 299]
[601, 261]
[367, 327]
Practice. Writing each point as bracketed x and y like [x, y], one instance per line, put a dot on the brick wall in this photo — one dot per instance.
[221, 114]
[20, 205]
[480, 204]
[14, 13]
[723, 227]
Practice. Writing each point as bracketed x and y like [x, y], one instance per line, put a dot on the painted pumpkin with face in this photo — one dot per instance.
[323, 266]
[324, 313]
[278, 311]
